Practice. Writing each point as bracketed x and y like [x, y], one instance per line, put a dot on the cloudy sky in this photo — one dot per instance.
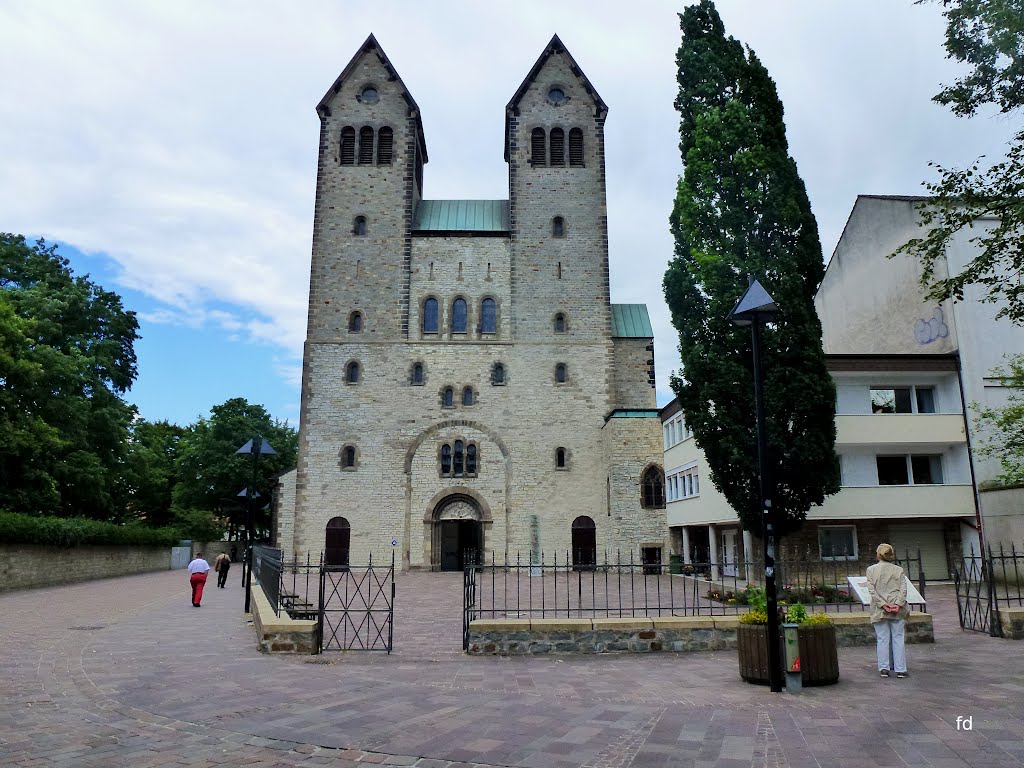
[171, 146]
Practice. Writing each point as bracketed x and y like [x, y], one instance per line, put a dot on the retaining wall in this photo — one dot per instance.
[279, 634]
[518, 637]
[23, 566]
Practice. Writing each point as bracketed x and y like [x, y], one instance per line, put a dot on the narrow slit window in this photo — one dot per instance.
[471, 459]
[576, 148]
[359, 226]
[498, 374]
[352, 373]
[560, 374]
[355, 322]
[350, 457]
[417, 374]
[430, 316]
[459, 316]
[446, 459]
[488, 316]
[385, 146]
[559, 323]
[558, 227]
[557, 146]
[538, 148]
[366, 146]
[560, 458]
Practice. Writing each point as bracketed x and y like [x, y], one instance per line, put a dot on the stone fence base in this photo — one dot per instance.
[1011, 621]
[280, 634]
[517, 637]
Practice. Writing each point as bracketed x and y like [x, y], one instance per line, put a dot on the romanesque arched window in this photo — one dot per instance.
[385, 146]
[471, 459]
[498, 375]
[446, 459]
[458, 457]
[561, 461]
[366, 145]
[560, 323]
[652, 488]
[416, 379]
[467, 396]
[348, 457]
[355, 322]
[352, 373]
[430, 322]
[558, 227]
[488, 316]
[576, 148]
[460, 316]
[538, 148]
[348, 145]
[557, 146]
[448, 398]
[561, 373]
[359, 226]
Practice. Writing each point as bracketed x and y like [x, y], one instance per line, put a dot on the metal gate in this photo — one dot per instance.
[976, 595]
[357, 607]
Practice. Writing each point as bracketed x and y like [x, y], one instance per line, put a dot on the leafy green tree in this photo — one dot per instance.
[1003, 428]
[987, 36]
[149, 472]
[66, 359]
[741, 208]
[209, 473]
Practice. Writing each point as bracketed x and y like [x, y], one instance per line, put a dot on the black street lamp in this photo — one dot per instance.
[755, 308]
[257, 446]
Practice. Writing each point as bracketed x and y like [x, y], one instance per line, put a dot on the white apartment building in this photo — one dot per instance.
[906, 372]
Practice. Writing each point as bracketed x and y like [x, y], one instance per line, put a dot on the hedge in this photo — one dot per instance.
[77, 531]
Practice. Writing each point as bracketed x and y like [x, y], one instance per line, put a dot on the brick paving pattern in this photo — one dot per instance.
[124, 672]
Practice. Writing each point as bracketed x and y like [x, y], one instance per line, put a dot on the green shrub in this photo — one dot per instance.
[796, 614]
[78, 531]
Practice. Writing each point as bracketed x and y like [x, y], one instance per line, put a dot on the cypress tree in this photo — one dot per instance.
[741, 208]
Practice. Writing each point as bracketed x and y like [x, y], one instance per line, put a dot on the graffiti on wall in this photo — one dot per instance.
[932, 329]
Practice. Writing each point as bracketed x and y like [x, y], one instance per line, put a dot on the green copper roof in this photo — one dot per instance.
[631, 321]
[461, 216]
[648, 413]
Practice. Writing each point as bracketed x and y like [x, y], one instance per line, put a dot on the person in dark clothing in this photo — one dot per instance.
[234, 553]
[222, 565]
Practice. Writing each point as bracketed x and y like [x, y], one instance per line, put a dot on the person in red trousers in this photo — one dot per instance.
[197, 570]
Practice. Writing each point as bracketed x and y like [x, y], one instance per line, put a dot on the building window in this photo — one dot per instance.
[558, 227]
[538, 148]
[348, 145]
[560, 323]
[557, 146]
[652, 489]
[459, 458]
[675, 431]
[561, 458]
[352, 373]
[467, 396]
[369, 95]
[903, 399]
[682, 484]
[416, 379]
[355, 322]
[385, 146]
[488, 316]
[576, 148]
[430, 322]
[557, 96]
[498, 375]
[837, 542]
[359, 226]
[348, 457]
[917, 469]
[448, 398]
[460, 316]
[560, 373]
[366, 145]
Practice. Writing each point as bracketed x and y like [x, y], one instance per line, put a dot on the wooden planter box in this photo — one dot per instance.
[819, 661]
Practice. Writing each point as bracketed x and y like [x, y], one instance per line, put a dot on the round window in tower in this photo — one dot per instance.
[369, 95]
[556, 95]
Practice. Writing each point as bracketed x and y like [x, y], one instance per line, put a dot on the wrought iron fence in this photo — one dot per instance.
[267, 564]
[986, 581]
[537, 585]
[357, 607]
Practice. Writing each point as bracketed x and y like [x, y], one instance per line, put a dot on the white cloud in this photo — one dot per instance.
[180, 137]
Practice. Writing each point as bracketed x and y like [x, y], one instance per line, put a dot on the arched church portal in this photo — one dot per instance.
[457, 535]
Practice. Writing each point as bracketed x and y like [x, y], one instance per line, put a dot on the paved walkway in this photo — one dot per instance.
[124, 672]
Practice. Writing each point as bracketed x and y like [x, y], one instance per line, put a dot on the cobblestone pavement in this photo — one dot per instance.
[124, 672]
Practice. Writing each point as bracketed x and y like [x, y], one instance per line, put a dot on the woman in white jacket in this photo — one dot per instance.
[887, 584]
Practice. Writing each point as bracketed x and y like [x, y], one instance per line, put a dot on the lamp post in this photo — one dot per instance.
[257, 446]
[755, 308]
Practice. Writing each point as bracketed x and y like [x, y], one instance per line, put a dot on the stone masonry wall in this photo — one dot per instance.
[631, 446]
[23, 566]
[632, 384]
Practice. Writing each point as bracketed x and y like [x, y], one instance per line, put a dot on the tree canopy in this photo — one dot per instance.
[1003, 427]
[66, 360]
[741, 209]
[987, 36]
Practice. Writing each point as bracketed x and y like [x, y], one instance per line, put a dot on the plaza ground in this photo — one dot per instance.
[125, 672]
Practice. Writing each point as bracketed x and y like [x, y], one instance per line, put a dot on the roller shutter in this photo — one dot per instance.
[928, 537]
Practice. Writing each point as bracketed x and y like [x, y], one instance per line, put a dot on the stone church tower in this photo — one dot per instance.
[467, 384]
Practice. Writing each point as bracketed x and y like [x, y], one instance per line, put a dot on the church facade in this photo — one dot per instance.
[468, 387]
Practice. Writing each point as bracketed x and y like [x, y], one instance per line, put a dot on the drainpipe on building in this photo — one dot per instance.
[970, 456]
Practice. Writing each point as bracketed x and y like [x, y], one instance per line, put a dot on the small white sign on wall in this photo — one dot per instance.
[859, 584]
